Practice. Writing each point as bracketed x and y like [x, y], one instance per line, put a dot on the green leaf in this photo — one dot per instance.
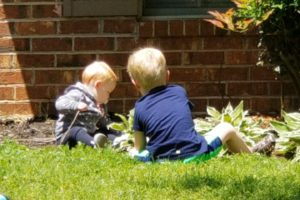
[213, 113]
[292, 120]
[117, 126]
[280, 127]
[124, 120]
[237, 114]
[226, 118]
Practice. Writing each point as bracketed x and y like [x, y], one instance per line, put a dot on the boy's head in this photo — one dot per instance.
[101, 79]
[147, 69]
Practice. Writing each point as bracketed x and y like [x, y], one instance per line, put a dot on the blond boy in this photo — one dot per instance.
[163, 115]
[80, 108]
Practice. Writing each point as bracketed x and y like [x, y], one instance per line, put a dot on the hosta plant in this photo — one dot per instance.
[288, 143]
[124, 143]
[251, 129]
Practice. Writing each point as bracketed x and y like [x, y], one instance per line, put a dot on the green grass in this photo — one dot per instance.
[86, 173]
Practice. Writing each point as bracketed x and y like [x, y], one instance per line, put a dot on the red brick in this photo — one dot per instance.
[14, 11]
[266, 105]
[124, 90]
[125, 77]
[52, 44]
[289, 104]
[61, 89]
[129, 104]
[21, 44]
[31, 109]
[176, 28]
[205, 89]
[9, 44]
[289, 89]
[115, 59]
[75, 60]
[262, 73]
[35, 28]
[6, 93]
[221, 32]
[119, 26]
[5, 61]
[241, 57]
[161, 28]
[55, 76]
[252, 32]
[35, 92]
[6, 1]
[187, 74]
[192, 27]
[205, 58]
[228, 74]
[199, 104]
[34, 60]
[116, 106]
[247, 89]
[178, 43]
[173, 58]
[6, 28]
[223, 43]
[275, 88]
[146, 29]
[95, 43]
[126, 44]
[48, 109]
[79, 26]
[206, 29]
[44, 11]
[16, 77]
[252, 42]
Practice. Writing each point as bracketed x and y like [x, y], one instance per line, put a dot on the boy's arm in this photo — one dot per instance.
[139, 141]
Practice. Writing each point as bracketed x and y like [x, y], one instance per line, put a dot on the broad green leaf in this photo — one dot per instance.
[228, 108]
[211, 111]
[292, 120]
[279, 126]
[117, 126]
[226, 118]
[124, 119]
[237, 113]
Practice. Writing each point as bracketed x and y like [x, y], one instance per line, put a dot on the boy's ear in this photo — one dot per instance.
[168, 75]
[98, 84]
[136, 84]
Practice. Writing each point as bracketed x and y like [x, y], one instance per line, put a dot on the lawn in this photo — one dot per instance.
[86, 173]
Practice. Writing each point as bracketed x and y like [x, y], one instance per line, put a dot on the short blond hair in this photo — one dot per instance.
[98, 71]
[147, 66]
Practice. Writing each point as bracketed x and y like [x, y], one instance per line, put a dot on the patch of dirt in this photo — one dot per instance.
[32, 133]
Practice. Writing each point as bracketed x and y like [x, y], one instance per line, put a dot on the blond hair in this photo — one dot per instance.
[98, 71]
[147, 66]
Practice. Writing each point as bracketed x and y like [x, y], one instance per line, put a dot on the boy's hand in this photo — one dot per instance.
[82, 106]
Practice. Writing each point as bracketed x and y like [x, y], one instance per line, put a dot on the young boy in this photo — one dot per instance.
[163, 116]
[81, 110]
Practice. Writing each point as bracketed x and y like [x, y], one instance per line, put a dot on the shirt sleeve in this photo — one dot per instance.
[67, 102]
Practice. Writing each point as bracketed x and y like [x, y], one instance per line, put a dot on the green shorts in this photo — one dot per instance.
[214, 148]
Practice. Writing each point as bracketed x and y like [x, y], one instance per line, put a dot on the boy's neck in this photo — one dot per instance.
[143, 91]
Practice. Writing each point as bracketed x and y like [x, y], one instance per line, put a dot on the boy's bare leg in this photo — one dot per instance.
[228, 135]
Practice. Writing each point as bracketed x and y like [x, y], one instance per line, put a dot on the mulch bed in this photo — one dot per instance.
[29, 132]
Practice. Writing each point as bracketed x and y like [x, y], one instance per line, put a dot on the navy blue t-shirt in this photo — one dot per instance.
[164, 115]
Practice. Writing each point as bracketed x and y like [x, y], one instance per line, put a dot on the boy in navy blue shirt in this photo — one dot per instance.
[163, 121]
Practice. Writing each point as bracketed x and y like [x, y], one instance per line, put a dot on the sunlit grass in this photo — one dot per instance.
[86, 173]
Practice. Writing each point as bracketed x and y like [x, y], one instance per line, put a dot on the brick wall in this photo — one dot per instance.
[41, 53]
